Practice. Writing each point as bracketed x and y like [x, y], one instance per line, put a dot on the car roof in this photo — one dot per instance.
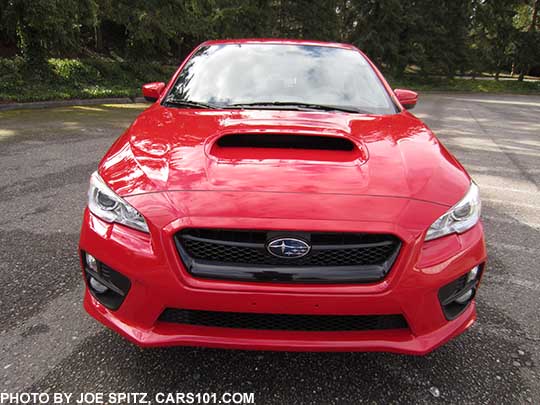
[278, 41]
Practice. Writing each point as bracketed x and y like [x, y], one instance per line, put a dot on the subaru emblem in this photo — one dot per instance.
[288, 248]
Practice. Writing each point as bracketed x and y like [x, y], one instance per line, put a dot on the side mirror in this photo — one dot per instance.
[407, 98]
[152, 91]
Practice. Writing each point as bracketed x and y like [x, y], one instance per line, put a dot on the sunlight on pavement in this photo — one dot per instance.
[67, 120]
[87, 108]
[135, 106]
[498, 101]
[6, 133]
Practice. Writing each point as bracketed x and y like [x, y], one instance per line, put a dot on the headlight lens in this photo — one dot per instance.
[460, 218]
[105, 204]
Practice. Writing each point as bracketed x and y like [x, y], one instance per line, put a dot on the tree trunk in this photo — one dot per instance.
[532, 27]
[497, 73]
[521, 75]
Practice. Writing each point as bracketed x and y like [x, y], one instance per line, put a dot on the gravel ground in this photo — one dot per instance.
[48, 343]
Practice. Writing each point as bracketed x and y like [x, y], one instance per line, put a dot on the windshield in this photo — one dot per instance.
[280, 76]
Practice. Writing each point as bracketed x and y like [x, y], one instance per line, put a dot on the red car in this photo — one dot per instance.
[278, 195]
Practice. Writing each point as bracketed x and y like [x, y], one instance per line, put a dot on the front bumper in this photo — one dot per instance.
[159, 281]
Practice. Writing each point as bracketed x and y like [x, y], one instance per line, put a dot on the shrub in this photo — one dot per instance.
[73, 71]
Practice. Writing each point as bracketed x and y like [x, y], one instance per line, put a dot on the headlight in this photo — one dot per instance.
[460, 218]
[105, 204]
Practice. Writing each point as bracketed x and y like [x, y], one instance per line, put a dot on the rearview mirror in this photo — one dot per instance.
[152, 91]
[407, 98]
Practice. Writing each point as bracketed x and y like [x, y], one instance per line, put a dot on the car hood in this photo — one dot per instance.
[168, 149]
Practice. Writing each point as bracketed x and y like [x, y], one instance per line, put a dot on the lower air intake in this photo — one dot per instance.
[245, 320]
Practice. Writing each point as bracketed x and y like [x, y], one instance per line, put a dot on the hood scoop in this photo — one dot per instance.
[279, 146]
[282, 141]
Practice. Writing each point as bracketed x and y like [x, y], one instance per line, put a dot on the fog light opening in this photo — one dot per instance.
[97, 286]
[456, 296]
[108, 286]
[91, 262]
[462, 299]
[473, 274]
[472, 277]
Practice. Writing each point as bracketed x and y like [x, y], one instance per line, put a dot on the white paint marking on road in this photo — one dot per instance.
[40, 343]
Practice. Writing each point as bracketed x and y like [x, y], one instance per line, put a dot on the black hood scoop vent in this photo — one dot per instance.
[286, 141]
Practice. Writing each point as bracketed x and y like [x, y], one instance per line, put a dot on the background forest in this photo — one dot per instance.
[92, 48]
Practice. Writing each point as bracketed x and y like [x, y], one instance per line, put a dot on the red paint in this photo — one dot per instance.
[407, 98]
[152, 91]
[399, 180]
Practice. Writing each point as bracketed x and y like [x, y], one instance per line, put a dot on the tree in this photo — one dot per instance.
[378, 29]
[46, 27]
[527, 39]
[441, 35]
[249, 18]
[493, 33]
[435, 37]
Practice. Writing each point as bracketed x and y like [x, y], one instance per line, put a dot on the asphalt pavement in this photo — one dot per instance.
[49, 344]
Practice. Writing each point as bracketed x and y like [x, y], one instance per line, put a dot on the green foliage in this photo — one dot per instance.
[73, 71]
[46, 27]
[101, 77]
[526, 50]
[419, 83]
[77, 78]
[251, 18]
[445, 42]
[308, 19]
[11, 71]
[380, 29]
[90, 42]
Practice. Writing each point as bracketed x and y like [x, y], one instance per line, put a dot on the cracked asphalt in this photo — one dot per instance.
[48, 343]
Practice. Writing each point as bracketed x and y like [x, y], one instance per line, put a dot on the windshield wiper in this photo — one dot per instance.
[297, 105]
[188, 104]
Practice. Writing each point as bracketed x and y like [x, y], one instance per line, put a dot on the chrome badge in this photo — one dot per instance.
[288, 248]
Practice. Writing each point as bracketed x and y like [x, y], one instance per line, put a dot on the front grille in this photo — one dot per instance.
[244, 320]
[242, 254]
[340, 256]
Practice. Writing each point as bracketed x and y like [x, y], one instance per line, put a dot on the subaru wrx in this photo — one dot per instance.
[278, 195]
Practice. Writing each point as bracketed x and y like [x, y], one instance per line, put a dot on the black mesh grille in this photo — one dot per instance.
[242, 254]
[283, 321]
[248, 255]
[377, 249]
